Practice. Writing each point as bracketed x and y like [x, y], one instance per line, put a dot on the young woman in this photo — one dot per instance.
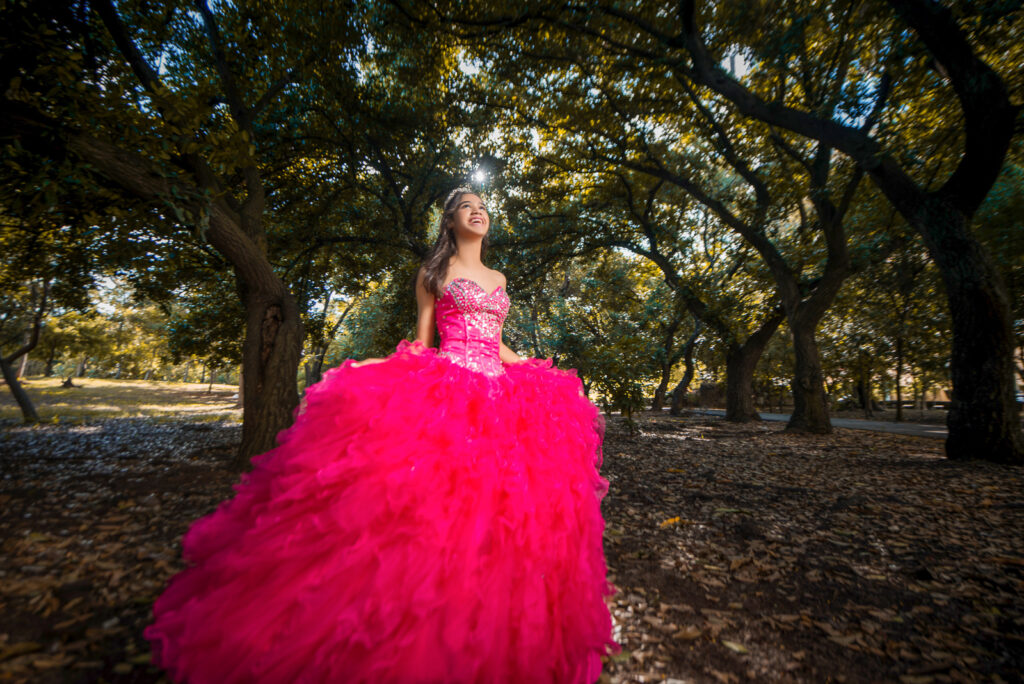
[432, 516]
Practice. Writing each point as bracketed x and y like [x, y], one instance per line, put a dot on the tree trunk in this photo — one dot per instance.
[864, 392]
[320, 360]
[241, 388]
[188, 367]
[534, 326]
[682, 387]
[40, 296]
[740, 364]
[810, 406]
[669, 359]
[28, 409]
[307, 370]
[314, 368]
[982, 420]
[899, 373]
[50, 359]
[23, 366]
[273, 345]
[80, 372]
[679, 393]
[863, 386]
[658, 403]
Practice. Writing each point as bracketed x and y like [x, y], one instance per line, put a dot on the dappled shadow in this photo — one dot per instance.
[745, 553]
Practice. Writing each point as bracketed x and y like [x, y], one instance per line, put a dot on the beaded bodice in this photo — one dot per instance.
[469, 319]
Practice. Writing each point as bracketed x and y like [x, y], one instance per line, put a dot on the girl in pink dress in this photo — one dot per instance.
[433, 516]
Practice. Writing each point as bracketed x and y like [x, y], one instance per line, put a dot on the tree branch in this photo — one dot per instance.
[989, 116]
[220, 62]
[143, 71]
[37, 323]
[901, 190]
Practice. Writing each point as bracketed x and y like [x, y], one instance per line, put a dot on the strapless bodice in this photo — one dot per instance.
[469, 319]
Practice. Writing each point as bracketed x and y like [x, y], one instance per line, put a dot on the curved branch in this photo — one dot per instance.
[989, 117]
[220, 62]
[143, 71]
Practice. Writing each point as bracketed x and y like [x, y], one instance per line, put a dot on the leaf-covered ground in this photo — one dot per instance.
[741, 553]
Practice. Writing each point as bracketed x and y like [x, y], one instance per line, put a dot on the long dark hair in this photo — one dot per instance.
[435, 266]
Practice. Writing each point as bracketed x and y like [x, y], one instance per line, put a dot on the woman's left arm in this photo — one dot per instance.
[504, 353]
[507, 355]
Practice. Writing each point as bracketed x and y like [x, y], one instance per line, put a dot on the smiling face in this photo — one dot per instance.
[470, 216]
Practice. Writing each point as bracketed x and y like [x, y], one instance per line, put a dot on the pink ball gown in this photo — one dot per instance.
[431, 518]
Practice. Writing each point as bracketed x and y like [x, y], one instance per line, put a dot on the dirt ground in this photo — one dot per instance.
[739, 552]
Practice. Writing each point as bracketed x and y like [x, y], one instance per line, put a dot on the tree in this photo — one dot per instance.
[70, 336]
[567, 208]
[709, 291]
[999, 225]
[164, 139]
[864, 47]
[21, 316]
[42, 266]
[220, 149]
[642, 118]
[604, 323]
[983, 421]
[889, 322]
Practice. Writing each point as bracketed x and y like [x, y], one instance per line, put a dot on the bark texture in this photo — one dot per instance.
[679, 393]
[740, 363]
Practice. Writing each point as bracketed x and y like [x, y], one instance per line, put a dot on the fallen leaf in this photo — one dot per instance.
[732, 645]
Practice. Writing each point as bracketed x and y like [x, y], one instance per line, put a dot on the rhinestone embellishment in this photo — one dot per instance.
[469, 319]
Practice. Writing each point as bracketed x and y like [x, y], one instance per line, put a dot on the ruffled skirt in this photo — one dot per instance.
[419, 522]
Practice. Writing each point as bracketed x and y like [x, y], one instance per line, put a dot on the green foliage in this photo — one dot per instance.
[599, 316]
[895, 306]
[206, 322]
[70, 338]
[380, 318]
[121, 337]
[999, 224]
[608, 171]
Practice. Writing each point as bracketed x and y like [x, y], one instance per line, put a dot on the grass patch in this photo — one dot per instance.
[101, 398]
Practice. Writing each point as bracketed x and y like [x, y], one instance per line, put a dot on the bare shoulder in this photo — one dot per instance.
[500, 277]
[421, 285]
[421, 278]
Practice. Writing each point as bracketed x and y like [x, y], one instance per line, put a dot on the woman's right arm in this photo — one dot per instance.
[425, 312]
[424, 319]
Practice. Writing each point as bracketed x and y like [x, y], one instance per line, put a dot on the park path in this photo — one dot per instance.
[916, 429]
